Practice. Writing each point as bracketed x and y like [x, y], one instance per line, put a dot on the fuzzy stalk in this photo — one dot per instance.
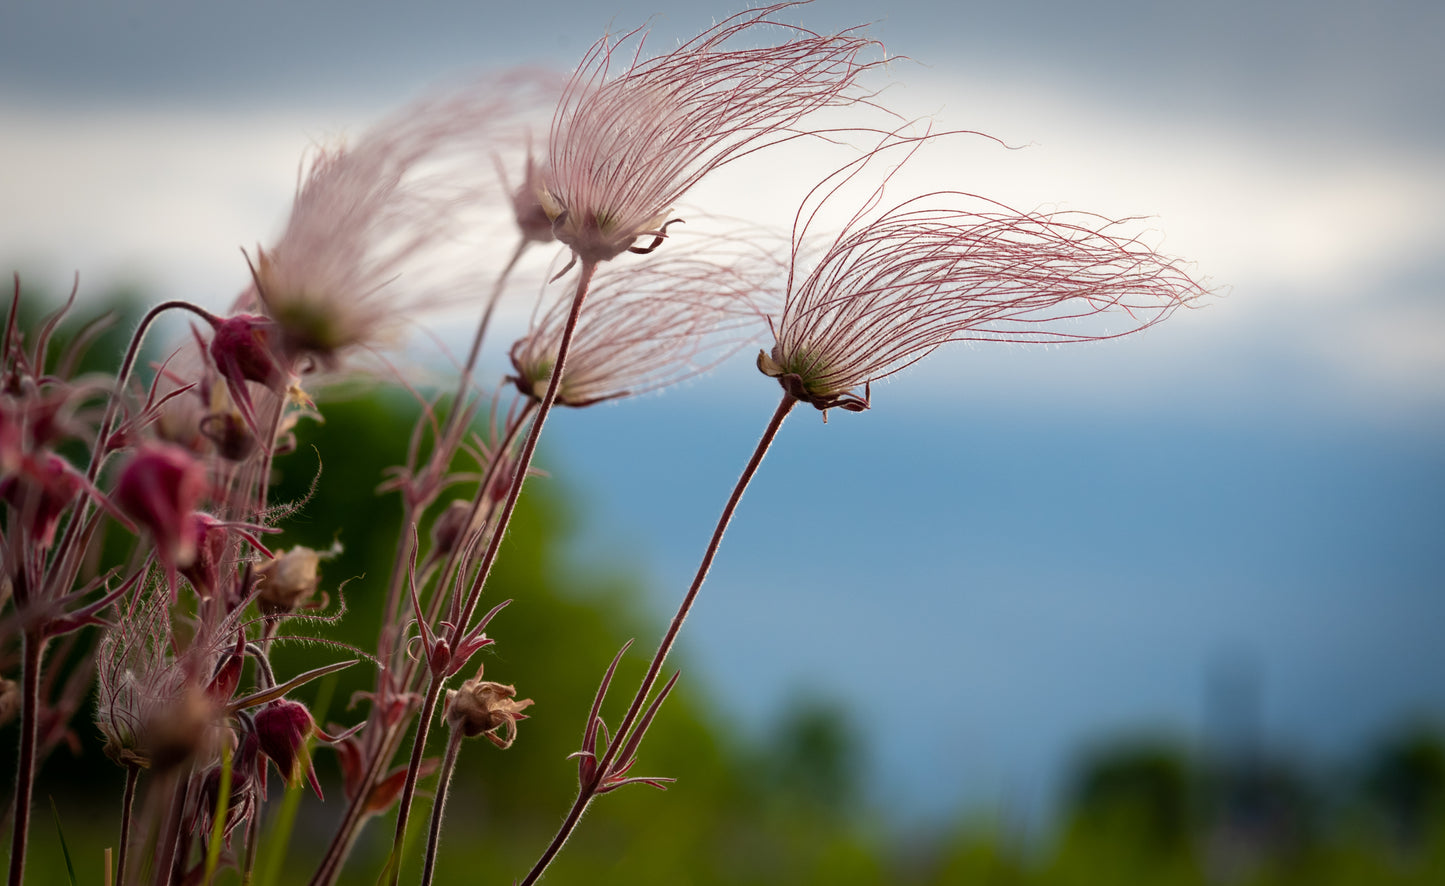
[444, 779]
[586, 793]
[34, 649]
[127, 809]
[408, 790]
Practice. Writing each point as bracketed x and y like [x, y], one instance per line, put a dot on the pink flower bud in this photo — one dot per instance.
[44, 484]
[160, 489]
[241, 347]
[282, 729]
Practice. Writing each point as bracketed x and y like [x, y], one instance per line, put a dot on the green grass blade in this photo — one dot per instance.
[218, 827]
[64, 849]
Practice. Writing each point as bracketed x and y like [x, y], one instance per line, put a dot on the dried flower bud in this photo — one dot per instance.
[282, 729]
[288, 581]
[160, 489]
[482, 707]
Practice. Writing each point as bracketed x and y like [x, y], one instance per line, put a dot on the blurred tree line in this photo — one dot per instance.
[785, 808]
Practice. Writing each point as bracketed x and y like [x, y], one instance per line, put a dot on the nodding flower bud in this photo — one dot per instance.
[45, 482]
[282, 729]
[204, 570]
[241, 347]
[159, 489]
[531, 215]
[451, 526]
[288, 581]
[482, 707]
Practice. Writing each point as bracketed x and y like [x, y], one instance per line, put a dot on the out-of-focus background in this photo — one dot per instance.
[1168, 606]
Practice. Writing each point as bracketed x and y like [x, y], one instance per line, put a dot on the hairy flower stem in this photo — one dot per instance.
[127, 807]
[474, 594]
[588, 792]
[408, 790]
[34, 648]
[168, 857]
[444, 779]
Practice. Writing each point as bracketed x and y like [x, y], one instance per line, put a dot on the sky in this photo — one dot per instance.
[1017, 551]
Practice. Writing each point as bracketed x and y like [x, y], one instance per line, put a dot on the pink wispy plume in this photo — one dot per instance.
[625, 147]
[371, 231]
[893, 287]
[652, 325]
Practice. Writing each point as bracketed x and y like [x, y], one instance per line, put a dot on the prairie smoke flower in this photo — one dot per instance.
[647, 327]
[369, 222]
[149, 706]
[625, 148]
[888, 291]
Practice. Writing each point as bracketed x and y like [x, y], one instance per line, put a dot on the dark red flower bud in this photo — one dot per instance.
[160, 489]
[241, 347]
[282, 729]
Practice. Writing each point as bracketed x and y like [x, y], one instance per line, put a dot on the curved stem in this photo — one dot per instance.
[587, 792]
[433, 837]
[127, 805]
[34, 647]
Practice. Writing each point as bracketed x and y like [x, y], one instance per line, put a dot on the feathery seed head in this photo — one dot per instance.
[625, 148]
[648, 326]
[888, 291]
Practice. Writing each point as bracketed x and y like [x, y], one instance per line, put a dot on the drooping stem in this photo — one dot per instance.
[34, 647]
[444, 779]
[587, 792]
[127, 806]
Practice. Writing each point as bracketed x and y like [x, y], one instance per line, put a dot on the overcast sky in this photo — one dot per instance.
[1291, 150]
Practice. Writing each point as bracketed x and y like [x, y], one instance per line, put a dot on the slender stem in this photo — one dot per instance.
[34, 647]
[459, 629]
[353, 817]
[587, 792]
[408, 790]
[433, 838]
[524, 458]
[127, 805]
[168, 854]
